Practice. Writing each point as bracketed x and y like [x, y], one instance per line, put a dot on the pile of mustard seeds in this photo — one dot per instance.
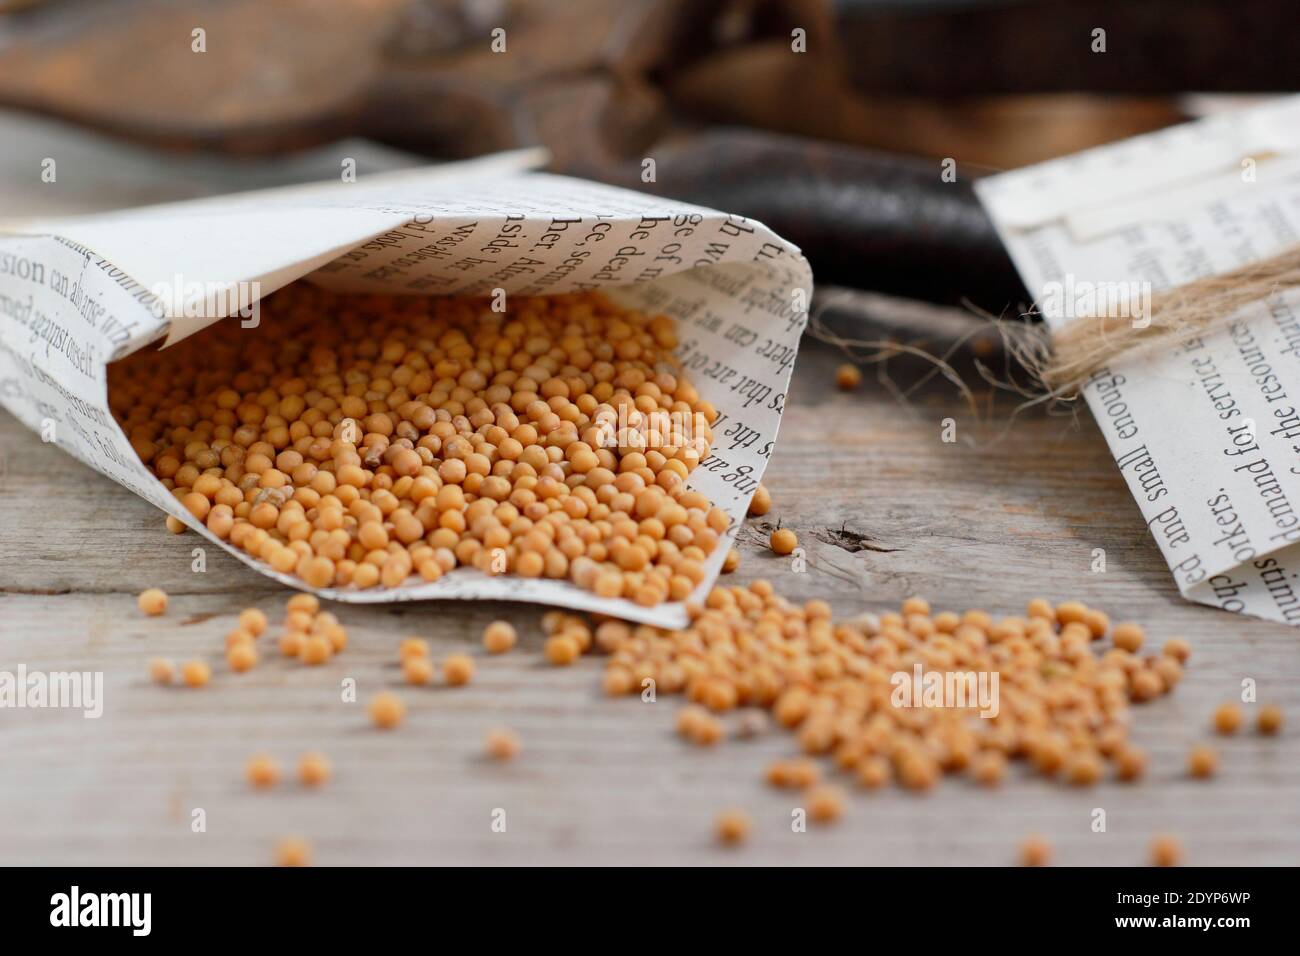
[366, 441]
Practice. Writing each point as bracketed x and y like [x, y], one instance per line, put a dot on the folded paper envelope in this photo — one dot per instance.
[79, 293]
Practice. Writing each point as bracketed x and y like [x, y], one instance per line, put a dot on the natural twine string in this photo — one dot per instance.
[1063, 361]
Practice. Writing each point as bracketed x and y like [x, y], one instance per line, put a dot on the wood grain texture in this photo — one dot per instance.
[884, 508]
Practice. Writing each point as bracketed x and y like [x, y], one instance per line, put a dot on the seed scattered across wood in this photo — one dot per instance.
[152, 601]
[387, 710]
[1166, 850]
[502, 744]
[293, 851]
[856, 690]
[1227, 719]
[499, 637]
[314, 769]
[1269, 721]
[732, 827]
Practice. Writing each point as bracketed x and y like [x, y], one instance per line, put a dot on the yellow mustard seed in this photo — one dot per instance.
[1178, 649]
[1202, 761]
[783, 541]
[561, 650]
[387, 710]
[1128, 636]
[1227, 719]
[161, 670]
[499, 637]
[989, 767]
[152, 601]
[458, 669]
[238, 636]
[761, 503]
[731, 562]
[196, 673]
[502, 744]
[1035, 851]
[417, 670]
[293, 851]
[307, 603]
[262, 771]
[732, 827]
[848, 377]
[874, 772]
[1130, 763]
[1083, 769]
[253, 621]
[291, 643]
[242, 657]
[1166, 850]
[1269, 721]
[412, 647]
[176, 525]
[314, 769]
[316, 649]
[825, 803]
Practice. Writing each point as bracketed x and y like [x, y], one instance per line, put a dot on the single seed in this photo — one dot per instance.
[825, 804]
[291, 643]
[314, 769]
[732, 827]
[989, 767]
[161, 670]
[458, 669]
[1202, 761]
[412, 647]
[1178, 649]
[1130, 763]
[316, 649]
[1035, 851]
[848, 377]
[196, 673]
[731, 561]
[308, 603]
[561, 650]
[387, 710]
[1227, 718]
[417, 670]
[1128, 636]
[152, 601]
[502, 744]
[783, 541]
[238, 636]
[1083, 769]
[1166, 850]
[176, 525]
[241, 657]
[873, 772]
[253, 621]
[498, 637]
[262, 771]
[761, 503]
[1269, 721]
[293, 851]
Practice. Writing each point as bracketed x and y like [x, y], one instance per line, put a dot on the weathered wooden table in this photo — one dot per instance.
[885, 509]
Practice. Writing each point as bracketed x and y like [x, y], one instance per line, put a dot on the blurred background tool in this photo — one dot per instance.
[826, 119]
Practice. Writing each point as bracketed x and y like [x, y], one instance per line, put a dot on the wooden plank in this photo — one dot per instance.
[884, 508]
